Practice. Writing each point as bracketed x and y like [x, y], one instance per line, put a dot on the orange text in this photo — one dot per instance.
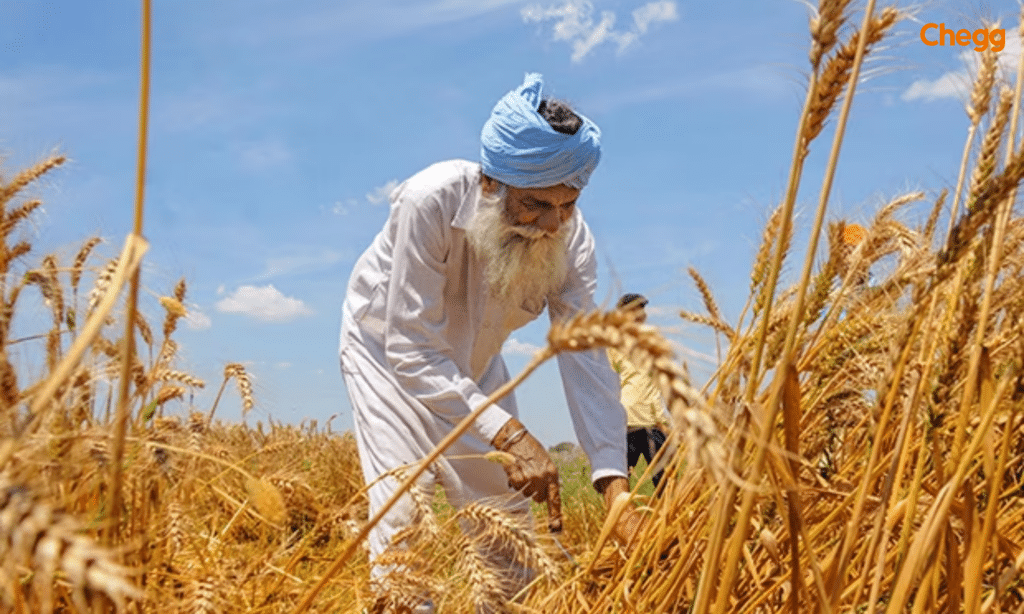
[937, 34]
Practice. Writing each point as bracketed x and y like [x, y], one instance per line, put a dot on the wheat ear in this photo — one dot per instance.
[981, 95]
[985, 165]
[649, 351]
[495, 524]
[27, 176]
[49, 542]
[79, 264]
[824, 26]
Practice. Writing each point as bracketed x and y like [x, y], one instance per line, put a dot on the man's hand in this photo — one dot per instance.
[630, 522]
[532, 472]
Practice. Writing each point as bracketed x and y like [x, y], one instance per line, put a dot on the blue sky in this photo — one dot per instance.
[277, 129]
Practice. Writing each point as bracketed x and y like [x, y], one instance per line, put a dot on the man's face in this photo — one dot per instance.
[521, 235]
[543, 208]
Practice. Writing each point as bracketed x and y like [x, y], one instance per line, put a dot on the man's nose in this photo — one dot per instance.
[549, 221]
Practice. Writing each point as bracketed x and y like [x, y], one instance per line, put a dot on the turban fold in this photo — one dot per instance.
[520, 148]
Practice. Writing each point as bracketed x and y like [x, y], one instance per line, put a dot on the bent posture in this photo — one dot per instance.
[471, 252]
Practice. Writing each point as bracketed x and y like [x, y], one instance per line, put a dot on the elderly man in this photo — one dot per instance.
[469, 253]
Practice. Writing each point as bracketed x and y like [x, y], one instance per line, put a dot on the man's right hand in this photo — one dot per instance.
[630, 522]
[533, 471]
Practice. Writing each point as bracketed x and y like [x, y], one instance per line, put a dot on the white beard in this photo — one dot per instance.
[523, 264]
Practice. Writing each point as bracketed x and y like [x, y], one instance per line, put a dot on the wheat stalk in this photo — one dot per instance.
[170, 375]
[990, 193]
[486, 588]
[711, 322]
[981, 90]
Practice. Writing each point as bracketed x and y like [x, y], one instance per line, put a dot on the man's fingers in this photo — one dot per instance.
[533, 492]
[533, 472]
[515, 475]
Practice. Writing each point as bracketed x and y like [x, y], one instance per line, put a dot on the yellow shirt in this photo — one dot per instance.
[640, 395]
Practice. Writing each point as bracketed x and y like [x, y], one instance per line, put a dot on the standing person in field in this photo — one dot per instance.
[471, 252]
[646, 418]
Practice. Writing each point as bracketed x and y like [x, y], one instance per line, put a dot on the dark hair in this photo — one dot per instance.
[632, 300]
[560, 115]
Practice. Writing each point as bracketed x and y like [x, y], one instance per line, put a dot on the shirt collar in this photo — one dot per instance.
[470, 201]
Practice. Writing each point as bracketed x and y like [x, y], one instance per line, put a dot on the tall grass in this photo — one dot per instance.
[858, 448]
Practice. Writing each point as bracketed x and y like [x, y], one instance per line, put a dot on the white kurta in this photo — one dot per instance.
[421, 338]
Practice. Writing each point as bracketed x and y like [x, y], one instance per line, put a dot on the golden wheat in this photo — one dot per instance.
[836, 72]
[981, 90]
[883, 491]
[44, 542]
[237, 371]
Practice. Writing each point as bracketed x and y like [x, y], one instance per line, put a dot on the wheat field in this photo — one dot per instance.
[858, 448]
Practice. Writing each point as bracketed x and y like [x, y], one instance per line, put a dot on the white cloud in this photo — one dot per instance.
[514, 346]
[597, 35]
[376, 196]
[953, 84]
[574, 23]
[344, 207]
[574, 19]
[381, 194]
[197, 320]
[264, 303]
[957, 83]
[653, 12]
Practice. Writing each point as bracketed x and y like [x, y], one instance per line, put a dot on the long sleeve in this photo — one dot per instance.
[591, 386]
[414, 340]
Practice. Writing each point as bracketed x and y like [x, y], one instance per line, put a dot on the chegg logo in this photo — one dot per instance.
[933, 34]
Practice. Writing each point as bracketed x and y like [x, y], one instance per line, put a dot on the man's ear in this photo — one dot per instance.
[489, 184]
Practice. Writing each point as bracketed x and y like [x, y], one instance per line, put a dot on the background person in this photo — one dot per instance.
[646, 416]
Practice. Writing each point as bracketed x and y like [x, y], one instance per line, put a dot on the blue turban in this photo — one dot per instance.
[521, 149]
